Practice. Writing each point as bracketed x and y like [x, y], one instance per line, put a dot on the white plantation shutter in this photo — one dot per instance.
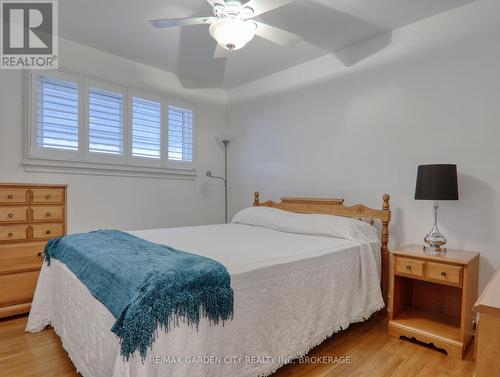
[146, 128]
[105, 121]
[56, 114]
[180, 134]
[78, 123]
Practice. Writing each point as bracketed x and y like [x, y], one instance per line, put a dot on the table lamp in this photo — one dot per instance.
[436, 182]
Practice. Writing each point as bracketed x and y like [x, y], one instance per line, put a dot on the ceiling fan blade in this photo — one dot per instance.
[196, 67]
[221, 52]
[180, 22]
[278, 36]
[213, 2]
[263, 6]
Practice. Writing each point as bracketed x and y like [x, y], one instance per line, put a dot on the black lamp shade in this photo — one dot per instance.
[437, 182]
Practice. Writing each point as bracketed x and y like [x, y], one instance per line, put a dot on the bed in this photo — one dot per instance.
[292, 290]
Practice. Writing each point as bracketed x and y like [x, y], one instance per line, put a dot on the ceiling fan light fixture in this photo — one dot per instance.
[232, 33]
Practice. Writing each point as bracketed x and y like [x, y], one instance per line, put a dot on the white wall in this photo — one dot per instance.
[432, 96]
[122, 202]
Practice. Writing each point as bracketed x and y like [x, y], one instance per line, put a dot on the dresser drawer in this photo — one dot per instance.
[17, 288]
[48, 213]
[13, 214]
[408, 266]
[52, 195]
[47, 231]
[21, 256]
[13, 195]
[13, 233]
[444, 273]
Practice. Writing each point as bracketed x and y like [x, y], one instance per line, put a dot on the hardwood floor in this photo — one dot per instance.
[371, 351]
[31, 355]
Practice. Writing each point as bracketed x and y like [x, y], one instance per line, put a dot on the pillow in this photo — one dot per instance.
[310, 224]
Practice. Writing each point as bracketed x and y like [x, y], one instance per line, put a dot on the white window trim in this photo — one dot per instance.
[83, 162]
[32, 131]
[92, 168]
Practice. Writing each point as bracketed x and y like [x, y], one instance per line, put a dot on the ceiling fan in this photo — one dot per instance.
[232, 25]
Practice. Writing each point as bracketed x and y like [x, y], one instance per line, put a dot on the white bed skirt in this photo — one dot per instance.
[281, 312]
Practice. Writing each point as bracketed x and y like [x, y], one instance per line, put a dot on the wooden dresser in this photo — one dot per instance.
[29, 216]
[488, 329]
[431, 297]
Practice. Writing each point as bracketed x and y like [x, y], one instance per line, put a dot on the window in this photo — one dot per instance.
[180, 134]
[57, 108]
[105, 121]
[76, 122]
[146, 128]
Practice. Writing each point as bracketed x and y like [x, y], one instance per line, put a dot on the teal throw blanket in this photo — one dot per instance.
[145, 285]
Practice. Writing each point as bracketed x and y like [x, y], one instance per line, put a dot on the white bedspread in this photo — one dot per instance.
[291, 292]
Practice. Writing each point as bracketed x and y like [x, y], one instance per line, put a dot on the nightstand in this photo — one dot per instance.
[431, 297]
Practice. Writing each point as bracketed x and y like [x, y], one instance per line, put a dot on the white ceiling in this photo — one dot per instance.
[121, 27]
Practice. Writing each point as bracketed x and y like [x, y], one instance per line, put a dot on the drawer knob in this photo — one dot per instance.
[47, 232]
[10, 196]
[40, 254]
[47, 196]
[11, 234]
[47, 214]
[443, 273]
[408, 268]
[10, 215]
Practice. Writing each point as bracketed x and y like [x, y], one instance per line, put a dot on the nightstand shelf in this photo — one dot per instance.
[431, 297]
[430, 324]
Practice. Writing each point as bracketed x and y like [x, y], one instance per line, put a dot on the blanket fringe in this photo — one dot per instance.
[139, 323]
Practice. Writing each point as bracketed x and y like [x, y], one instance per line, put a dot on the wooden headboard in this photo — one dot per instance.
[336, 207]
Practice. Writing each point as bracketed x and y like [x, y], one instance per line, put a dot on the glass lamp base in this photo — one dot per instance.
[435, 240]
[434, 250]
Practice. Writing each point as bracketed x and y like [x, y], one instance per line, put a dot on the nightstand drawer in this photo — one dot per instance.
[444, 272]
[408, 266]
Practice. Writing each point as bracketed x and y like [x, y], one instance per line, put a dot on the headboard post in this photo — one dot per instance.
[384, 249]
[256, 199]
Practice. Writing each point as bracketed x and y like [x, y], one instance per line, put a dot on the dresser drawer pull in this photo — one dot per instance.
[11, 234]
[47, 196]
[408, 268]
[10, 196]
[47, 214]
[40, 254]
[47, 232]
[10, 215]
[443, 273]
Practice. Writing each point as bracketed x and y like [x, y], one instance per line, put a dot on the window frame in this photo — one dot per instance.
[50, 153]
[83, 161]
